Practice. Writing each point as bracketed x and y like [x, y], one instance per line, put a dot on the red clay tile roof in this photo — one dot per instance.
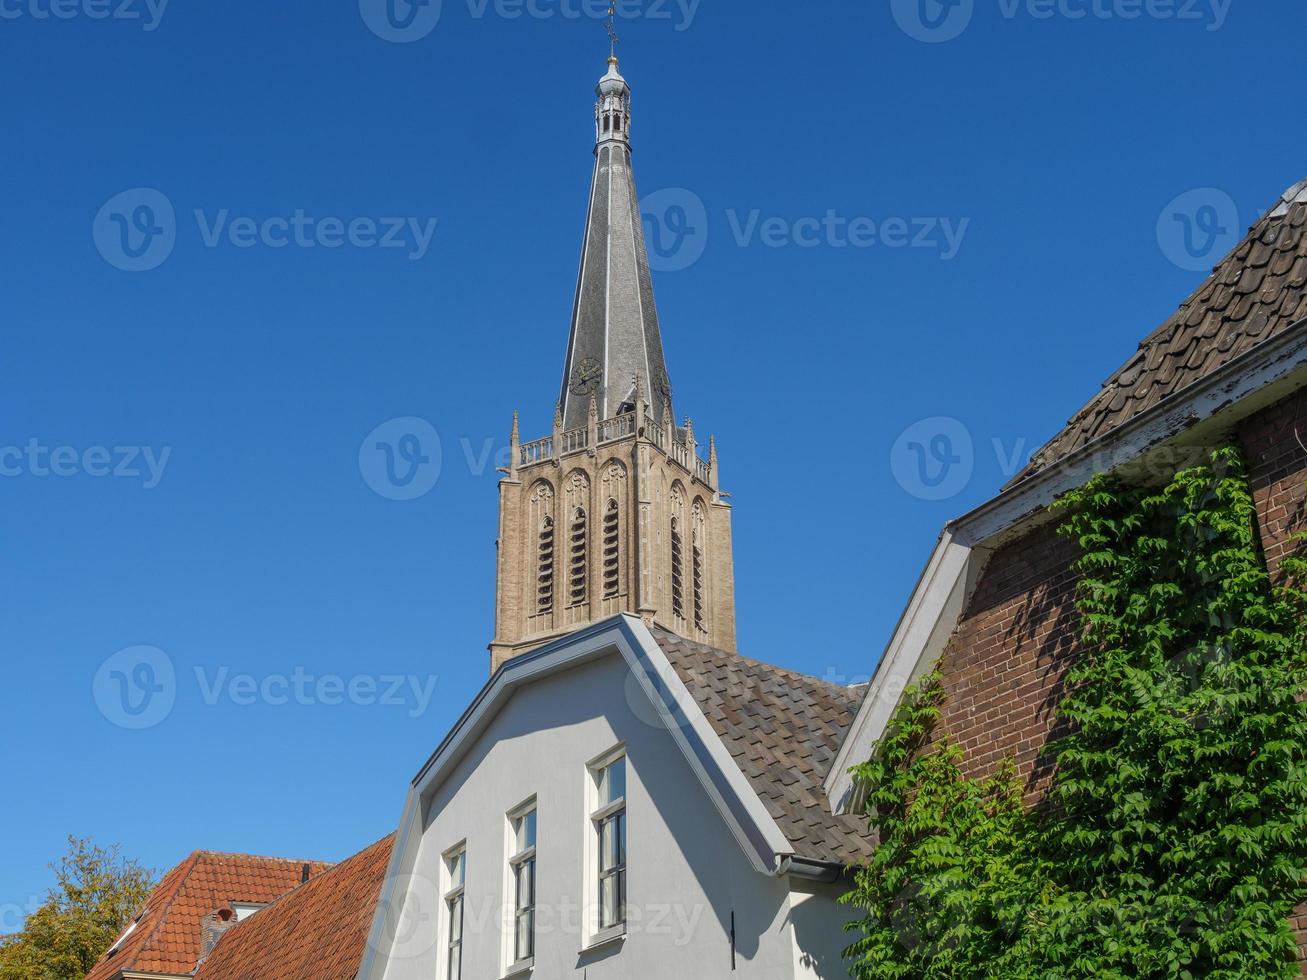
[166, 938]
[783, 730]
[1255, 293]
[317, 932]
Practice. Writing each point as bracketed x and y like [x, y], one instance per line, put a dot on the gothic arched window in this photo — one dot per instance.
[545, 567]
[612, 550]
[579, 564]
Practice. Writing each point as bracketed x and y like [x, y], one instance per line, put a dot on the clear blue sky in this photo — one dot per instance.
[1058, 143]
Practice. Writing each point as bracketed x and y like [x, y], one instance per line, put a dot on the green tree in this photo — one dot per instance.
[96, 893]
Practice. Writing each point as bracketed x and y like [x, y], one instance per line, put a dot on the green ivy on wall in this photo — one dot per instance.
[1174, 839]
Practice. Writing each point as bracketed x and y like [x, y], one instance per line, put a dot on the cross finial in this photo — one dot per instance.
[613, 39]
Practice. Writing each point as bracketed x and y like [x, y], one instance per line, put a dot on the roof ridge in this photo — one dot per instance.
[259, 857]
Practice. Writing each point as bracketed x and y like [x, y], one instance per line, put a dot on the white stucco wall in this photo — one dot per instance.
[686, 872]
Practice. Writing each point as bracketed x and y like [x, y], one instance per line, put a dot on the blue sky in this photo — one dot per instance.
[901, 245]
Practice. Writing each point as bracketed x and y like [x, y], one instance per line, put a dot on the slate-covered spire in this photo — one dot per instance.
[615, 336]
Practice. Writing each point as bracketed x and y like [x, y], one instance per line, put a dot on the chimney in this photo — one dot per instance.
[305, 870]
[212, 928]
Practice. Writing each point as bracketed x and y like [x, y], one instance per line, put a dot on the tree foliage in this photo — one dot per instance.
[1174, 839]
[96, 893]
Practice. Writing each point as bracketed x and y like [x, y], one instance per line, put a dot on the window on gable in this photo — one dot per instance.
[522, 872]
[609, 824]
[456, 874]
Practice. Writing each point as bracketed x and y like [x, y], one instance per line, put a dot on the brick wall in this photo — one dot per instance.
[1274, 441]
[1003, 668]
[1005, 665]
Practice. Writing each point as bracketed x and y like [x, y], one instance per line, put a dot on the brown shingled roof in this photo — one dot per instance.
[783, 730]
[166, 937]
[317, 932]
[1256, 292]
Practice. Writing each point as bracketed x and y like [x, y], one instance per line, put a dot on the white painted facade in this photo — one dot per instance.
[690, 873]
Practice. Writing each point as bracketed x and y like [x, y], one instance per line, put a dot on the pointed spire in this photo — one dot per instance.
[558, 416]
[615, 334]
[514, 446]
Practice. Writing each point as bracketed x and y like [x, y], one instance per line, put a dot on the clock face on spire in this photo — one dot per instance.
[586, 377]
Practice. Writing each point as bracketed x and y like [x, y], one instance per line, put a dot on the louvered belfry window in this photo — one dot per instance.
[579, 555]
[697, 561]
[545, 576]
[612, 556]
[678, 583]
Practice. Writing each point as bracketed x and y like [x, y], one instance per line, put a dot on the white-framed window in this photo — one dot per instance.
[522, 882]
[608, 833]
[455, 884]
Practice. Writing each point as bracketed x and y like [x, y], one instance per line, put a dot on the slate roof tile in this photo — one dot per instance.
[783, 730]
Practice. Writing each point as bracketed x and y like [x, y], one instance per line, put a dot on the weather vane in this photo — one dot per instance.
[612, 28]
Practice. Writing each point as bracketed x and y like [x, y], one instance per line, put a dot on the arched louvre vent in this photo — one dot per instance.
[612, 558]
[578, 557]
[545, 565]
[696, 553]
[678, 583]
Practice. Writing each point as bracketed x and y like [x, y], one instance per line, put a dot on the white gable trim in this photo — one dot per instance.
[753, 827]
[1251, 381]
[918, 641]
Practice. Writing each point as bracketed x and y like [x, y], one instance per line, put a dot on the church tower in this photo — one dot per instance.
[615, 511]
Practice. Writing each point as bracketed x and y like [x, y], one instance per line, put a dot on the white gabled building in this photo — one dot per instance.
[625, 803]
